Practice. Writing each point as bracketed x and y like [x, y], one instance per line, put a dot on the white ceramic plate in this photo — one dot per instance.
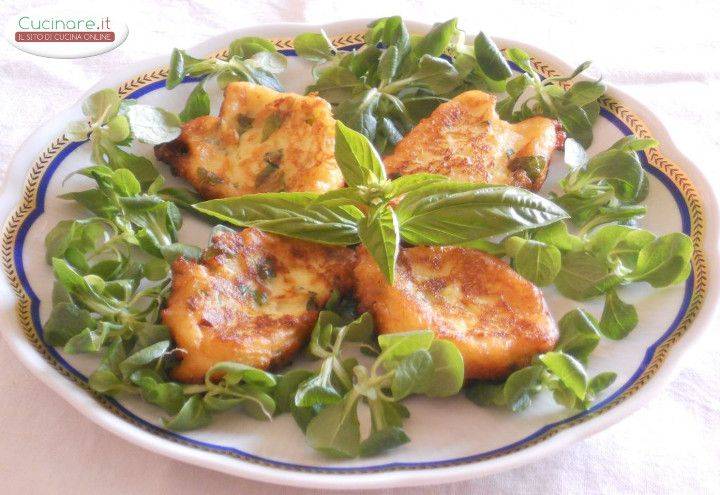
[472, 441]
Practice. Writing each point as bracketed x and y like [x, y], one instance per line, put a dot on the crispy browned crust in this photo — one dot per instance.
[252, 298]
[498, 320]
[233, 154]
[465, 140]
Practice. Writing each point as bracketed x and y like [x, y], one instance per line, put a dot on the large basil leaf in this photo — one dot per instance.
[290, 214]
[453, 213]
[380, 233]
[358, 160]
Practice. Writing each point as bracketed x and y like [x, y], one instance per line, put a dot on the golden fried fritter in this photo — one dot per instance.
[465, 140]
[263, 141]
[497, 319]
[252, 298]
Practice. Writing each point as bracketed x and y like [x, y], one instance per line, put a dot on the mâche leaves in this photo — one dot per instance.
[534, 260]
[568, 370]
[315, 47]
[152, 125]
[448, 370]
[579, 334]
[618, 318]
[108, 127]
[584, 276]
[490, 59]
[664, 261]
[192, 415]
[555, 371]
[112, 277]
[326, 402]
[437, 40]
[412, 373]
[249, 46]
[382, 440]
[433, 73]
[577, 108]
[66, 321]
[396, 79]
[335, 431]
[607, 187]
[251, 59]
[197, 105]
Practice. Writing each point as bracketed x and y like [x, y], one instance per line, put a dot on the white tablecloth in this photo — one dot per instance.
[664, 54]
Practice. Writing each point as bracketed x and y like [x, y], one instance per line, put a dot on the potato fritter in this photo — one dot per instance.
[497, 319]
[252, 298]
[262, 141]
[465, 140]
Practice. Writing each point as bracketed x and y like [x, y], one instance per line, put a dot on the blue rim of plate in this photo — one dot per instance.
[529, 440]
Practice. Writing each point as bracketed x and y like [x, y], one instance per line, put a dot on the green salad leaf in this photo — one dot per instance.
[197, 105]
[555, 371]
[606, 188]
[111, 124]
[315, 47]
[618, 318]
[577, 108]
[536, 261]
[250, 59]
[490, 59]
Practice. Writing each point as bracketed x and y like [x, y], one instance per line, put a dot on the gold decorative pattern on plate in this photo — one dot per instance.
[672, 171]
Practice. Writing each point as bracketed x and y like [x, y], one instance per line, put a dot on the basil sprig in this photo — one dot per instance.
[431, 210]
[251, 59]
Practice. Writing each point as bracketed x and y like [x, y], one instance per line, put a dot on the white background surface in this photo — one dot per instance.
[664, 54]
